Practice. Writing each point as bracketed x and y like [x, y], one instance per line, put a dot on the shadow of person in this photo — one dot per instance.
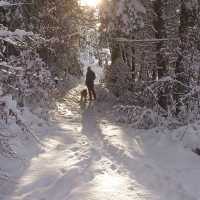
[88, 126]
[82, 105]
[90, 104]
[86, 104]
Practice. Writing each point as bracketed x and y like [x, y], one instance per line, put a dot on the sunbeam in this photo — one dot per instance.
[91, 2]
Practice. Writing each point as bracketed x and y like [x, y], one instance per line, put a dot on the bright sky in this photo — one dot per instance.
[90, 2]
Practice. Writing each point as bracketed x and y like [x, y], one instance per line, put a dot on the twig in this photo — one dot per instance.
[184, 132]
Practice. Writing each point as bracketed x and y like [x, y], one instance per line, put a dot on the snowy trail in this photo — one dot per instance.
[104, 177]
[90, 157]
[118, 161]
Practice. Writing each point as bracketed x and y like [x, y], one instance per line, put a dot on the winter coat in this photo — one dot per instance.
[90, 77]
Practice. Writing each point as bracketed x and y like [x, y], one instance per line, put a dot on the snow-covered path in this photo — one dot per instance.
[87, 156]
[95, 173]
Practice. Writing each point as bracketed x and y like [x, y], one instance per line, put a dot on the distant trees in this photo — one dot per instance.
[57, 26]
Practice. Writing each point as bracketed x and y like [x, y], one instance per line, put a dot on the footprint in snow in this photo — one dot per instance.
[83, 161]
[88, 176]
[76, 154]
[63, 171]
[131, 188]
[119, 171]
[113, 167]
[74, 149]
[94, 153]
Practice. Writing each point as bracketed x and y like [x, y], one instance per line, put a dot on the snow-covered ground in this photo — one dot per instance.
[88, 156]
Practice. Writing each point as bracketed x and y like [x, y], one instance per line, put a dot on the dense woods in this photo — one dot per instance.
[162, 53]
[154, 70]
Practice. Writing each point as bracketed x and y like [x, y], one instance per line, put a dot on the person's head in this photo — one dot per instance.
[89, 68]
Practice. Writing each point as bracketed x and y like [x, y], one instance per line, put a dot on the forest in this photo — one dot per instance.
[152, 69]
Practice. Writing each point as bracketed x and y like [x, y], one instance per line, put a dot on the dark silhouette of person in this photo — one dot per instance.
[90, 77]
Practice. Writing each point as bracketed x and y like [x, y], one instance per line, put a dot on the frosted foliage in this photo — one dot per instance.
[32, 85]
[25, 80]
[1, 90]
[146, 112]
[191, 4]
[124, 16]
[25, 85]
[10, 115]
[119, 8]
[4, 3]
[141, 118]
[118, 76]
[106, 11]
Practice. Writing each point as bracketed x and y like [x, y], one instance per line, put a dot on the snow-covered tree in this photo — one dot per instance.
[57, 30]
[120, 18]
[187, 51]
[166, 56]
[25, 86]
[32, 78]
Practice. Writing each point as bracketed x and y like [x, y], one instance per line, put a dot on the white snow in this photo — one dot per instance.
[123, 16]
[89, 156]
[3, 3]
[56, 78]
[21, 33]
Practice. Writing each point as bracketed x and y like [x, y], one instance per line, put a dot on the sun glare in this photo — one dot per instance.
[91, 2]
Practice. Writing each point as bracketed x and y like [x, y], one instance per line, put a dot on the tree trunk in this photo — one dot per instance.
[159, 26]
[115, 52]
[133, 64]
[181, 77]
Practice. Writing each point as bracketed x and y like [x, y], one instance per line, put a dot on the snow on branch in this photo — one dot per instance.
[154, 40]
[123, 16]
[3, 3]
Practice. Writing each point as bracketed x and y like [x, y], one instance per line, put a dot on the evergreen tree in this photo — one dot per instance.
[118, 19]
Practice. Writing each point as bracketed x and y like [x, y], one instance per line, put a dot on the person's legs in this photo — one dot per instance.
[90, 92]
[93, 92]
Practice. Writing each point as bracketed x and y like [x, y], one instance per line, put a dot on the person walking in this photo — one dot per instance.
[90, 77]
